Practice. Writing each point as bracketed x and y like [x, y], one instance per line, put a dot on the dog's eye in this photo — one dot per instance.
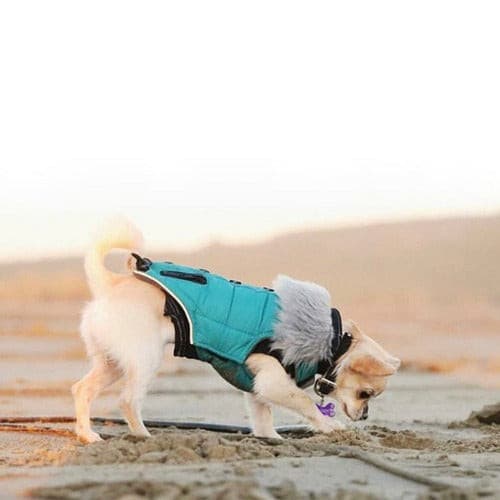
[364, 394]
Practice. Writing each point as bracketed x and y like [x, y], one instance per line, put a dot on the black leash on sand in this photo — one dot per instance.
[10, 423]
[19, 424]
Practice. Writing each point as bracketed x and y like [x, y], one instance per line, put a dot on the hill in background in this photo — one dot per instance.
[430, 290]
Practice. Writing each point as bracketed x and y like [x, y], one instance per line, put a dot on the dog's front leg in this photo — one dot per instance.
[261, 416]
[273, 384]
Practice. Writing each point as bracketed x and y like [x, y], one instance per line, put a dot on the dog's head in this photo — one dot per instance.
[362, 374]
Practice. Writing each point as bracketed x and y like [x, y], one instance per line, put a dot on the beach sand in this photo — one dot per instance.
[417, 427]
[426, 290]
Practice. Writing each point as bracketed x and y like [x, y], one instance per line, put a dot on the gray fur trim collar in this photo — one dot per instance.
[304, 330]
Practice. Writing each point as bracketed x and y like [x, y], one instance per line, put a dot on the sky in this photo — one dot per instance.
[233, 121]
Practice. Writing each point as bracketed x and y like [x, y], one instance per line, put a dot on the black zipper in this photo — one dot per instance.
[196, 278]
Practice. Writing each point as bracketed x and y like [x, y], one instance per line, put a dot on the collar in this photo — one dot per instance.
[341, 342]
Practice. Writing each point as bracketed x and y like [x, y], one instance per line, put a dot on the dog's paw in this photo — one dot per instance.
[268, 435]
[141, 433]
[328, 425]
[89, 437]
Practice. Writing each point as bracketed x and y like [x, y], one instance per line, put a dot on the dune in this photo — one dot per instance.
[428, 289]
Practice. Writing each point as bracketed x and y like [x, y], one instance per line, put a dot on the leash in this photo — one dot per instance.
[16, 424]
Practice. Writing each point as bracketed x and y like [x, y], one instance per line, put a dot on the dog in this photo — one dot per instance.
[125, 331]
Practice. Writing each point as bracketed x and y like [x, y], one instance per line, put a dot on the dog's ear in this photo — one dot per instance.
[352, 328]
[394, 362]
[367, 364]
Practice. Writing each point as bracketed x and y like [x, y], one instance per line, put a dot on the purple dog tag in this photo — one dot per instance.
[328, 409]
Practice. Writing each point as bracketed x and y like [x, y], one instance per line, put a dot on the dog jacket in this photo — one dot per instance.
[220, 321]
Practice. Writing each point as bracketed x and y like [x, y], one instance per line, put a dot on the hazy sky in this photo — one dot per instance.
[235, 120]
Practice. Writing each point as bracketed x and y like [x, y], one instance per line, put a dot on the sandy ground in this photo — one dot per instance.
[428, 291]
[410, 431]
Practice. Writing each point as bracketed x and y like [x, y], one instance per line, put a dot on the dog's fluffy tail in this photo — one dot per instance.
[118, 232]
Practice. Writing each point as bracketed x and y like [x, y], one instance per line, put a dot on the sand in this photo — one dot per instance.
[237, 489]
[412, 286]
[184, 447]
[406, 449]
[420, 441]
[488, 415]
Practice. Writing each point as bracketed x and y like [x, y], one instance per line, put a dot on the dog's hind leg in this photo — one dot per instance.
[273, 384]
[102, 374]
[138, 378]
[261, 416]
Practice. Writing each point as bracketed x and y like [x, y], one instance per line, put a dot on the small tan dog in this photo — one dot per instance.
[125, 333]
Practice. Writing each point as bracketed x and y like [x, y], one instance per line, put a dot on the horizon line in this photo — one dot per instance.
[269, 238]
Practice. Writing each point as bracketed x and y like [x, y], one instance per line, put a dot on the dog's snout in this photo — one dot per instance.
[364, 416]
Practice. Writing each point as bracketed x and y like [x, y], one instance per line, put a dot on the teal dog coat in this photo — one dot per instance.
[220, 321]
